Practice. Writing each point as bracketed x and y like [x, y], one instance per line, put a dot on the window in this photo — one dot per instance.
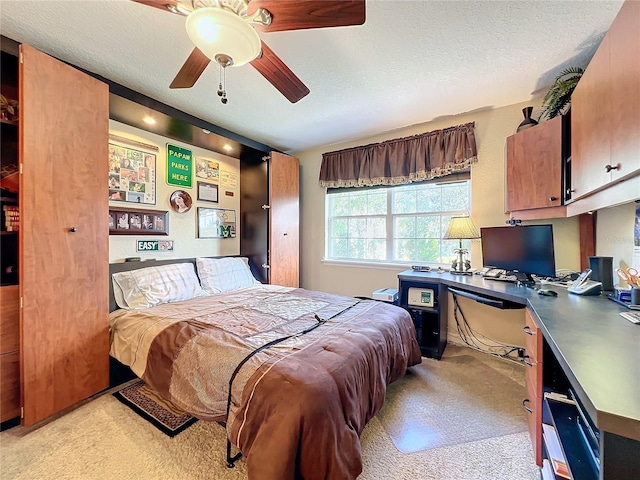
[403, 224]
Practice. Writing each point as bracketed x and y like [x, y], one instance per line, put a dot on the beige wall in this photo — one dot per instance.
[182, 226]
[614, 235]
[492, 127]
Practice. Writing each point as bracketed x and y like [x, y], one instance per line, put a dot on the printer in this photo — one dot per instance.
[386, 295]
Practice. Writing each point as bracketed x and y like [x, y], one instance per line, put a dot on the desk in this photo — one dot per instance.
[597, 350]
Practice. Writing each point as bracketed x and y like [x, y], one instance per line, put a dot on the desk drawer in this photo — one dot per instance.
[533, 379]
[533, 407]
[533, 338]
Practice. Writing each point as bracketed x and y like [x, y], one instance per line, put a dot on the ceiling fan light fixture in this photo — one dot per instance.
[217, 32]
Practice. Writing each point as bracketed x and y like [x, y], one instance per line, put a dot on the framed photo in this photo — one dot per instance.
[180, 201]
[207, 192]
[132, 175]
[133, 221]
[216, 223]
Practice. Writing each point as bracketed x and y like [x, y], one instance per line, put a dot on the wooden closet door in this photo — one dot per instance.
[284, 219]
[64, 128]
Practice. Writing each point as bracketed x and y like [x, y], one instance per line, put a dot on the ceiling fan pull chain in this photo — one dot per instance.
[224, 83]
[220, 89]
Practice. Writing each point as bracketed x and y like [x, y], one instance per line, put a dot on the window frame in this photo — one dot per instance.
[390, 218]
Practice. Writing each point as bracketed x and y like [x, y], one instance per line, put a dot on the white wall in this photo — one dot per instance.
[182, 226]
[492, 127]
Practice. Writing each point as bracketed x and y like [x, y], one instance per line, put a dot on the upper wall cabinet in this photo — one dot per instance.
[605, 123]
[535, 180]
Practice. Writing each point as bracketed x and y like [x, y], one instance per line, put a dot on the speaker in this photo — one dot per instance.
[602, 271]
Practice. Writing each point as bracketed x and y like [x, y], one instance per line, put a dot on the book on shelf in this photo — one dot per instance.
[556, 455]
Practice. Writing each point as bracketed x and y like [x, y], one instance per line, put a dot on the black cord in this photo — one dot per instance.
[469, 337]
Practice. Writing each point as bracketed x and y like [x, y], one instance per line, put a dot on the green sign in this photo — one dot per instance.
[179, 166]
[154, 245]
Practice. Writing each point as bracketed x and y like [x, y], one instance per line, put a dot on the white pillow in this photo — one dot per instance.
[224, 274]
[147, 287]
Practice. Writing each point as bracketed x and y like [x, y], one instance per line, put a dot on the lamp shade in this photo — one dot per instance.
[461, 227]
[218, 32]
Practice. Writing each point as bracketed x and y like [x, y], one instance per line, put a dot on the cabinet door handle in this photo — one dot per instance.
[73, 229]
[527, 330]
[553, 199]
[526, 361]
[524, 404]
[608, 168]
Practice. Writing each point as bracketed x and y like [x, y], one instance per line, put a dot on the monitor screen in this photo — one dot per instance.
[526, 249]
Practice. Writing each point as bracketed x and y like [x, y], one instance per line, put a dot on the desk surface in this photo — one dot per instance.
[598, 349]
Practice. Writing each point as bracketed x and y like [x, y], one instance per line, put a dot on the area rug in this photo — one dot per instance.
[161, 413]
[464, 397]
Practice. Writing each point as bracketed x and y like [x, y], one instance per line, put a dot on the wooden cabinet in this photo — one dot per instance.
[64, 351]
[269, 211]
[9, 352]
[605, 121]
[535, 179]
[533, 383]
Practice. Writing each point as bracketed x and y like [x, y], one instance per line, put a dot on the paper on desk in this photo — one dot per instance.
[556, 455]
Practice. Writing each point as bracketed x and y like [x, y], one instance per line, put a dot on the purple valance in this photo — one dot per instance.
[402, 160]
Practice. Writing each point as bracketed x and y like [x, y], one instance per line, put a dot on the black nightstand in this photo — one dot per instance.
[430, 321]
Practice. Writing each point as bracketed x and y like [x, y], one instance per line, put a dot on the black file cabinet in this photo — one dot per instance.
[416, 295]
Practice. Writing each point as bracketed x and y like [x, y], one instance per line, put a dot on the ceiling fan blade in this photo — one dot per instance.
[191, 70]
[279, 75]
[302, 14]
[161, 4]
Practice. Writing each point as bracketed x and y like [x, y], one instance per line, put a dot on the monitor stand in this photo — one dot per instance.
[524, 278]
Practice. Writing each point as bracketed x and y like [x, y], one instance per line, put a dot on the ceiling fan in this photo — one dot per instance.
[224, 31]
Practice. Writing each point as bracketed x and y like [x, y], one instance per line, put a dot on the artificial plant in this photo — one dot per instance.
[558, 97]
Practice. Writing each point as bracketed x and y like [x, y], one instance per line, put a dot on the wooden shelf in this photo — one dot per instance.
[8, 122]
[3, 232]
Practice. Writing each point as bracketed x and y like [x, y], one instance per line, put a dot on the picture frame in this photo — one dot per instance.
[216, 223]
[137, 221]
[132, 175]
[207, 192]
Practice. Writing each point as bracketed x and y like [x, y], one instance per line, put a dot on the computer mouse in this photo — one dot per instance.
[547, 293]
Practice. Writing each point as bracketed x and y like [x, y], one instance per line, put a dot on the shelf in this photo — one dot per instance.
[579, 459]
[8, 122]
[2, 232]
[422, 309]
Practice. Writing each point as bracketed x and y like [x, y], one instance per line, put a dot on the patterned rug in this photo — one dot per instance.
[161, 413]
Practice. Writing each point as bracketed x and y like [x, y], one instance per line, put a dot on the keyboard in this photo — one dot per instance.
[504, 278]
[633, 317]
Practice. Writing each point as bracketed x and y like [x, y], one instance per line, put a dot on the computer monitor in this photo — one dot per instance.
[524, 250]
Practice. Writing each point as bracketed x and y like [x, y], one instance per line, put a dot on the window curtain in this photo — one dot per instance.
[402, 160]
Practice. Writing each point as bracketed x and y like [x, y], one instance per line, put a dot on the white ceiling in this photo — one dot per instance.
[411, 62]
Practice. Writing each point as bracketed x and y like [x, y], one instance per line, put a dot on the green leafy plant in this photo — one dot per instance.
[559, 95]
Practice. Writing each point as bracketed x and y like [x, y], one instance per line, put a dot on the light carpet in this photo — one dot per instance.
[104, 440]
[465, 397]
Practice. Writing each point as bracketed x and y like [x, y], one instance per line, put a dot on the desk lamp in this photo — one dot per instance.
[461, 228]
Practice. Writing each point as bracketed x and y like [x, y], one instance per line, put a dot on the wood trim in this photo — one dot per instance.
[540, 213]
[118, 138]
[587, 238]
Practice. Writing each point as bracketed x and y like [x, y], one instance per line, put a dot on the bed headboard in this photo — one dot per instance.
[128, 266]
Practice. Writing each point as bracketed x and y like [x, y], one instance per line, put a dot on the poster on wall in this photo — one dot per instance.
[132, 175]
[216, 223]
[179, 166]
[635, 259]
[229, 179]
[207, 170]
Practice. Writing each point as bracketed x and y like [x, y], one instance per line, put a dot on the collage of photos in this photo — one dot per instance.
[207, 170]
[132, 175]
[135, 222]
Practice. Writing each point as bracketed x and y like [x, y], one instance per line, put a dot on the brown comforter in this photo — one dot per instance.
[298, 407]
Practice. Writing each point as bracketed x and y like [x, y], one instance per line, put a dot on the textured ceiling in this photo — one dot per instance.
[411, 62]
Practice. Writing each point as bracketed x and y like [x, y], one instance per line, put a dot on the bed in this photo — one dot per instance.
[294, 374]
